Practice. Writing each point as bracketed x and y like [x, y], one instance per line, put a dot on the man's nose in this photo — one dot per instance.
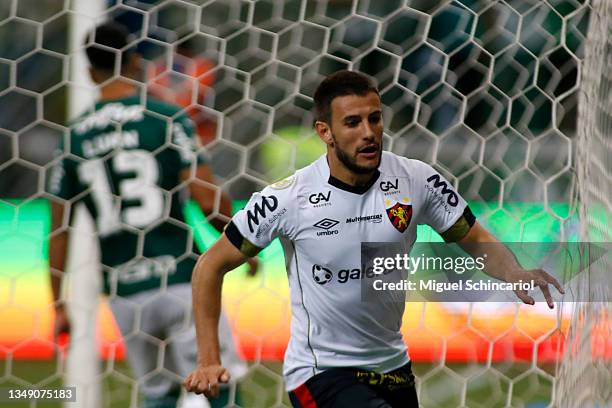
[368, 132]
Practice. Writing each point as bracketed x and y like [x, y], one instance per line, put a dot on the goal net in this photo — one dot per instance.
[508, 99]
[585, 373]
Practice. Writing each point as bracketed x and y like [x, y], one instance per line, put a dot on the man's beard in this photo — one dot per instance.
[351, 163]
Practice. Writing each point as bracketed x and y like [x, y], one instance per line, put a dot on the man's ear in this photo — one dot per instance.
[324, 132]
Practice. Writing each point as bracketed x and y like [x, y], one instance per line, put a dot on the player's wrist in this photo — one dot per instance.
[208, 363]
[515, 274]
[209, 359]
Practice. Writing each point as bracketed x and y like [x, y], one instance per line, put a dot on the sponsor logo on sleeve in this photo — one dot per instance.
[284, 183]
[452, 198]
[261, 210]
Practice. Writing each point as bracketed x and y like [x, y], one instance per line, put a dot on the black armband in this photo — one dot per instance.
[244, 245]
[461, 227]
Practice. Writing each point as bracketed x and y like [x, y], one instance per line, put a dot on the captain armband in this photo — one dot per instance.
[244, 245]
[461, 227]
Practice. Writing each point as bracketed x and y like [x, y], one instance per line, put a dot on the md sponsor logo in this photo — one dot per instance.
[269, 223]
[326, 224]
[261, 210]
[319, 199]
[436, 181]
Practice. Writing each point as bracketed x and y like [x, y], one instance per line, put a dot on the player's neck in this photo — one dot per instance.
[339, 171]
[116, 90]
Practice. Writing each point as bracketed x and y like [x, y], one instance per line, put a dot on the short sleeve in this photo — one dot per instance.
[443, 207]
[269, 214]
[61, 179]
[183, 136]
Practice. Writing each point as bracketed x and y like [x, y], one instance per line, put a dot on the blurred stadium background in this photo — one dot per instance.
[485, 91]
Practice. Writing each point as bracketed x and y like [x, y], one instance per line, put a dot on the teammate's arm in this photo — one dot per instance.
[204, 190]
[206, 282]
[58, 248]
[211, 199]
[501, 264]
[61, 184]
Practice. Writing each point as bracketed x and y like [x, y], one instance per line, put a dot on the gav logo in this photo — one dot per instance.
[269, 203]
[326, 224]
[452, 198]
[388, 185]
[321, 274]
[319, 199]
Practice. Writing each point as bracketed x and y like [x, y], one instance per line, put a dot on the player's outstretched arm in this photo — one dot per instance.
[501, 264]
[58, 248]
[206, 283]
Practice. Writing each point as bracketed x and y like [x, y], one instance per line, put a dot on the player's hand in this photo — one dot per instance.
[253, 266]
[541, 279]
[206, 379]
[61, 325]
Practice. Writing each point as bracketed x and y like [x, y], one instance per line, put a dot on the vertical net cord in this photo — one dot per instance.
[585, 376]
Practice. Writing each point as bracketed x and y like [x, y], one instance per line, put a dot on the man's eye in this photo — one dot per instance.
[352, 123]
[375, 119]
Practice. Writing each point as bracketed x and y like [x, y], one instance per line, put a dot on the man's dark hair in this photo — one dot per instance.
[341, 83]
[99, 43]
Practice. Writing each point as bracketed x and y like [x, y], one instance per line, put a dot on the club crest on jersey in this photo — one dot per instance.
[400, 216]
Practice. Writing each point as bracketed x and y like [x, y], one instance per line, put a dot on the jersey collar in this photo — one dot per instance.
[354, 189]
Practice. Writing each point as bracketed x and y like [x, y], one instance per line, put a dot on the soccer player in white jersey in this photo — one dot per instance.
[343, 352]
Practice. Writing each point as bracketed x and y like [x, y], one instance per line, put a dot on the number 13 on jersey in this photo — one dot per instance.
[142, 188]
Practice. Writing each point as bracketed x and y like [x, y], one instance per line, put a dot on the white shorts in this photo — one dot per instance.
[158, 331]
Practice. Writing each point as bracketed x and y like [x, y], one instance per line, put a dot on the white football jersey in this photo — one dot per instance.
[321, 223]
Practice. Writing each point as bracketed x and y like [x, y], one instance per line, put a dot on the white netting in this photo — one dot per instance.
[485, 91]
[585, 374]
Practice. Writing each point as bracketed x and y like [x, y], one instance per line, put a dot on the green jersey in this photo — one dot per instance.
[124, 162]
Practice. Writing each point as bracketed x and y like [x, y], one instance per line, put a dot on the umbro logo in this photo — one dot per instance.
[326, 224]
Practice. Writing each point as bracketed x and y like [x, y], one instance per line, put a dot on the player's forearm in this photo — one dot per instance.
[58, 247]
[206, 288]
[499, 262]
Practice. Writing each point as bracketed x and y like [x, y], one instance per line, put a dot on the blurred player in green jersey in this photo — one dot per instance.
[133, 163]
